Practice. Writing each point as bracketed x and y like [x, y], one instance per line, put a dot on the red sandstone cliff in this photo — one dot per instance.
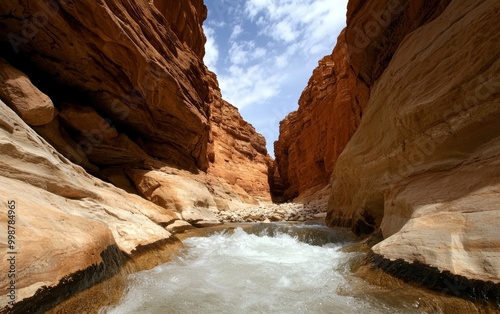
[237, 153]
[118, 88]
[310, 140]
[122, 59]
[185, 19]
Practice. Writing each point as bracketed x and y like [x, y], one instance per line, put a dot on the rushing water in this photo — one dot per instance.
[265, 269]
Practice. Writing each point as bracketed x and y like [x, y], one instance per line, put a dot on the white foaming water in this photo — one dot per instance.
[238, 272]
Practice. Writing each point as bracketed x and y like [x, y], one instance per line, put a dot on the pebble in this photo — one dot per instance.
[273, 212]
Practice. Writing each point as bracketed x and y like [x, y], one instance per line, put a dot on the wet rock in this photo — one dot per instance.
[179, 226]
[206, 223]
[320, 215]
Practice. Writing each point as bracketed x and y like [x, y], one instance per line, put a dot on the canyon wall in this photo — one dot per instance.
[331, 106]
[310, 141]
[114, 135]
[413, 134]
[185, 20]
[423, 164]
[237, 153]
[121, 58]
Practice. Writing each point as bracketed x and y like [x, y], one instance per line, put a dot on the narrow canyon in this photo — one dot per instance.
[115, 138]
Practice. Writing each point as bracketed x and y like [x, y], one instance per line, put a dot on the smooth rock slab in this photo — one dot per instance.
[65, 218]
[206, 223]
[179, 226]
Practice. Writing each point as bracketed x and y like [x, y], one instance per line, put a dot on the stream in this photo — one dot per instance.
[267, 268]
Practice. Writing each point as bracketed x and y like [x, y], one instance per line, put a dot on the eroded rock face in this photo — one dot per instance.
[127, 60]
[237, 175]
[22, 96]
[331, 106]
[237, 152]
[131, 91]
[185, 18]
[309, 143]
[412, 132]
[422, 165]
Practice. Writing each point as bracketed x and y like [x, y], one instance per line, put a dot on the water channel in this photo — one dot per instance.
[267, 268]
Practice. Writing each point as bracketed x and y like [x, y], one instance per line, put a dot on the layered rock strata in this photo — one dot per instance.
[124, 59]
[237, 153]
[185, 19]
[309, 143]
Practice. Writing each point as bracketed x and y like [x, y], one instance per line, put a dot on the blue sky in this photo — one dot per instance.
[264, 52]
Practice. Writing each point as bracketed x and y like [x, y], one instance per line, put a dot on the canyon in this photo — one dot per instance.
[114, 136]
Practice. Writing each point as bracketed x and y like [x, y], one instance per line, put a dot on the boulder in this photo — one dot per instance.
[179, 226]
[183, 194]
[17, 91]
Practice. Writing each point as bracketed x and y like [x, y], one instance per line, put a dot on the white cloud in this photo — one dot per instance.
[281, 61]
[285, 31]
[211, 49]
[254, 7]
[272, 44]
[259, 53]
[237, 30]
[247, 86]
[216, 24]
[290, 21]
[238, 53]
[244, 52]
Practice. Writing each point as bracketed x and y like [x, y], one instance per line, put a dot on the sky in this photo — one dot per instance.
[264, 52]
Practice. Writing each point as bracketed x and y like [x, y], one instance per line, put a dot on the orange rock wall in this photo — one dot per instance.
[131, 90]
[309, 141]
[237, 152]
[185, 19]
[124, 59]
